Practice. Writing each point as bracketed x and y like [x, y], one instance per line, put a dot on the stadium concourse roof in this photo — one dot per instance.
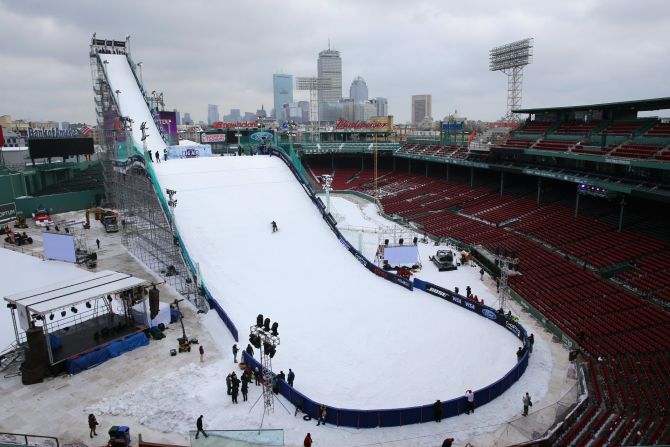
[639, 105]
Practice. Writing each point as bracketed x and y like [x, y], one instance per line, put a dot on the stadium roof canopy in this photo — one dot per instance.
[641, 105]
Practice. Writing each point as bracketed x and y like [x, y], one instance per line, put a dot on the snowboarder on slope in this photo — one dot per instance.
[274, 226]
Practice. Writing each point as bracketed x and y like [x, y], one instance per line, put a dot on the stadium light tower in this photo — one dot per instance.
[510, 59]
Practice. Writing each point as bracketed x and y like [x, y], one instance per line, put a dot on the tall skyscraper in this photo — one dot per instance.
[212, 114]
[358, 90]
[187, 119]
[282, 86]
[382, 106]
[177, 117]
[329, 68]
[422, 106]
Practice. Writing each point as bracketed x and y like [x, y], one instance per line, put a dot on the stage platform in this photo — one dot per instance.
[82, 338]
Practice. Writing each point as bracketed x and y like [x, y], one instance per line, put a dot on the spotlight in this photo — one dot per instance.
[51, 317]
[109, 298]
[266, 324]
[73, 310]
[275, 326]
[88, 305]
[400, 241]
[11, 306]
[259, 320]
[415, 240]
[37, 317]
[62, 313]
[386, 242]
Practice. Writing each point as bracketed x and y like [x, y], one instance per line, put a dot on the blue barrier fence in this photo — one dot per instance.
[394, 417]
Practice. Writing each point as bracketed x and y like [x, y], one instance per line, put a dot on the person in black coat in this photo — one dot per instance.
[448, 442]
[250, 350]
[235, 350]
[437, 407]
[245, 390]
[235, 382]
[198, 426]
[229, 384]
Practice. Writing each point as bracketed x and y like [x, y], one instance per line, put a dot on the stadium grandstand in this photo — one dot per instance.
[580, 195]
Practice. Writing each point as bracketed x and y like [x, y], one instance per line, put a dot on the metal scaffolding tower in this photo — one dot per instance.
[266, 339]
[509, 266]
[314, 86]
[147, 228]
[511, 59]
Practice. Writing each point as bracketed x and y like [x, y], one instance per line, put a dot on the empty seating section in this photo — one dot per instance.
[605, 318]
[659, 130]
[651, 275]
[629, 138]
[576, 127]
[631, 336]
[517, 144]
[535, 127]
[553, 145]
[630, 150]
[622, 128]
[434, 150]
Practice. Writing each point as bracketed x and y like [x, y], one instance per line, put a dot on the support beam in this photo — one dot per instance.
[502, 183]
[577, 204]
[472, 177]
[426, 169]
[539, 189]
[447, 172]
[622, 205]
[409, 165]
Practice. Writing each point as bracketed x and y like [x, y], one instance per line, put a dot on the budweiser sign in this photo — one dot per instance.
[345, 124]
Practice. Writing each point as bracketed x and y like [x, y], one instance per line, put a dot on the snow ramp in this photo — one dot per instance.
[353, 339]
[130, 100]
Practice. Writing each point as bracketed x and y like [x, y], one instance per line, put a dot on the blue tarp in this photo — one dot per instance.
[90, 359]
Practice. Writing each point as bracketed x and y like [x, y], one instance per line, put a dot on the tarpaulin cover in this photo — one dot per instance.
[88, 360]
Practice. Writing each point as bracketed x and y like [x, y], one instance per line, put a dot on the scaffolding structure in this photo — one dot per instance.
[267, 341]
[511, 59]
[509, 266]
[147, 229]
[314, 85]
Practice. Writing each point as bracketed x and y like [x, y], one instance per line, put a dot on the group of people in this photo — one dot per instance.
[158, 155]
[234, 384]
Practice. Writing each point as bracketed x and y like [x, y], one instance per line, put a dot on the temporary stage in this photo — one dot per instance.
[79, 315]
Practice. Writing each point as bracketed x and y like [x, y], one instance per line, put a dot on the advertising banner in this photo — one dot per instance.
[453, 126]
[169, 122]
[7, 212]
[213, 137]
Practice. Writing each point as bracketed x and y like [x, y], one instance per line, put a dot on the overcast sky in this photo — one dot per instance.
[224, 53]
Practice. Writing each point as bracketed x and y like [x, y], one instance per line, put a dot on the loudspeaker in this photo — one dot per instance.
[154, 295]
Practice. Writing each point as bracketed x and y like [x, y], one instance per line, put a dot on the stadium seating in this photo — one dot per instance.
[622, 128]
[659, 130]
[629, 335]
[535, 127]
[630, 150]
[553, 145]
[577, 127]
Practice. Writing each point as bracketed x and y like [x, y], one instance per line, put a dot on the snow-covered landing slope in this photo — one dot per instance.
[353, 339]
[131, 101]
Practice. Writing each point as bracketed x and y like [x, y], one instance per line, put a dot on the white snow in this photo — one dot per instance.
[341, 327]
[130, 100]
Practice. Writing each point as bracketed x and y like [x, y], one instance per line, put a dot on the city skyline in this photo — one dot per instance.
[425, 47]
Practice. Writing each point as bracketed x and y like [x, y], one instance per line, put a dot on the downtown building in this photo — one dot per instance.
[282, 88]
[422, 107]
[329, 69]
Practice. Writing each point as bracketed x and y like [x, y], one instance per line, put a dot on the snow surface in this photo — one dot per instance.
[27, 273]
[179, 396]
[130, 100]
[341, 327]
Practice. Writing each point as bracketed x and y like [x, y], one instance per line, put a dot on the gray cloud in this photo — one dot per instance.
[201, 52]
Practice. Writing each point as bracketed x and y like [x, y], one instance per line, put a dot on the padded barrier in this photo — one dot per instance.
[113, 349]
[394, 417]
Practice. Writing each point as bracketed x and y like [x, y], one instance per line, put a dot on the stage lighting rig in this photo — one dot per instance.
[264, 335]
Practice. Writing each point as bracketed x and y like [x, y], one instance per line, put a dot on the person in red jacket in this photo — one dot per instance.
[308, 441]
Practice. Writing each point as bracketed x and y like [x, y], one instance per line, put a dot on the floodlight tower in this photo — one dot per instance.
[509, 266]
[510, 59]
[265, 338]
